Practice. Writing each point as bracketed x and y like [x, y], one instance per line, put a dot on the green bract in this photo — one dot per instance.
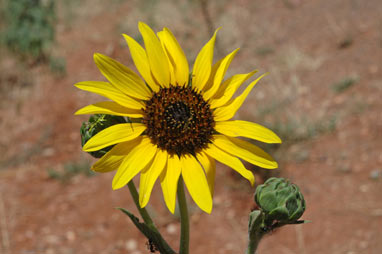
[280, 200]
[95, 124]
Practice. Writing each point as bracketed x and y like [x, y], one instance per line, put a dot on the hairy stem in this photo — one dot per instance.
[142, 211]
[253, 242]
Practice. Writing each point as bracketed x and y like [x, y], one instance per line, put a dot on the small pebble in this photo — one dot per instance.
[345, 169]
[131, 245]
[377, 212]
[364, 188]
[171, 229]
[363, 244]
[47, 152]
[52, 239]
[71, 236]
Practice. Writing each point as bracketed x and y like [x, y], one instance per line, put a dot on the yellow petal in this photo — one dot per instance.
[113, 159]
[138, 158]
[246, 129]
[230, 161]
[169, 181]
[138, 54]
[196, 183]
[171, 63]
[214, 69]
[220, 72]
[109, 108]
[202, 66]
[177, 56]
[114, 134]
[228, 111]
[209, 167]
[245, 151]
[150, 175]
[157, 58]
[109, 91]
[122, 77]
[228, 89]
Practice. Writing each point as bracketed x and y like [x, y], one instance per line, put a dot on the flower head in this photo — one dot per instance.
[180, 122]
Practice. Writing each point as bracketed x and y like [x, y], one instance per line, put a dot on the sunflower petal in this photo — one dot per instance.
[228, 111]
[209, 167]
[245, 151]
[122, 77]
[175, 52]
[196, 183]
[171, 63]
[214, 69]
[109, 91]
[230, 161]
[113, 159]
[219, 75]
[114, 134]
[228, 89]
[157, 58]
[169, 181]
[109, 108]
[150, 175]
[202, 66]
[133, 163]
[138, 54]
[246, 129]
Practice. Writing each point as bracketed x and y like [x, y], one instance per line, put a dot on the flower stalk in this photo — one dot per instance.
[255, 231]
[184, 219]
[142, 211]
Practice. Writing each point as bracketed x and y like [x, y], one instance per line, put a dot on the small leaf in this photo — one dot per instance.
[150, 233]
[301, 222]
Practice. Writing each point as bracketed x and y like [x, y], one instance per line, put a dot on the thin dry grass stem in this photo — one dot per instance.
[4, 228]
[208, 21]
[206, 16]
[300, 239]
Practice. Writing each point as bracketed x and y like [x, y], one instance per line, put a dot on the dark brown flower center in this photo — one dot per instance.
[179, 120]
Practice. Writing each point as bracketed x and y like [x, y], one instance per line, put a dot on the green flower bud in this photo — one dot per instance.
[280, 201]
[95, 124]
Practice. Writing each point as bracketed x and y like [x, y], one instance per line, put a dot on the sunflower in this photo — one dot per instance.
[180, 121]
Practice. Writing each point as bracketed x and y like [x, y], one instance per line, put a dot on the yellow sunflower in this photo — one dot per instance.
[180, 123]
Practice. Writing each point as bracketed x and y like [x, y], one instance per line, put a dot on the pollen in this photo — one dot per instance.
[179, 120]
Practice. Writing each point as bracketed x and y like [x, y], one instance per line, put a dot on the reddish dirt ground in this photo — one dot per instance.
[301, 44]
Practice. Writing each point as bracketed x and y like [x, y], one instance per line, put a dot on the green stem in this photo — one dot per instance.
[142, 211]
[253, 242]
[255, 230]
[185, 224]
[147, 228]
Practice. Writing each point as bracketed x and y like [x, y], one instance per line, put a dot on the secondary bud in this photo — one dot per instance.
[95, 124]
[280, 201]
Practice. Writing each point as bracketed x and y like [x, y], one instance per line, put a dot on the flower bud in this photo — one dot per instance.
[280, 200]
[95, 124]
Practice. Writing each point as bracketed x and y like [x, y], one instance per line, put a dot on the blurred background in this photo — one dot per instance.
[323, 97]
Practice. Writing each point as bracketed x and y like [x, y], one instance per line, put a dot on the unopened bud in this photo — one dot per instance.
[95, 124]
[280, 200]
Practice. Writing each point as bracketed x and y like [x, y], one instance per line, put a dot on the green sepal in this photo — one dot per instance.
[151, 233]
[256, 221]
[95, 124]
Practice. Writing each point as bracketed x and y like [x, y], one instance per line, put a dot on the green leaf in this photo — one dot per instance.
[150, 233]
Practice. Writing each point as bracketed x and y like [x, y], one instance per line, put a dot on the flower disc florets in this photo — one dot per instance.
[179, 120]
